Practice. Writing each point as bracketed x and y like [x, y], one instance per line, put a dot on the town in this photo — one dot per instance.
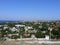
[28, 29]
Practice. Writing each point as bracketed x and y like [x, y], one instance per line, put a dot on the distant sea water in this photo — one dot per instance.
[24, 21]
[8, 21]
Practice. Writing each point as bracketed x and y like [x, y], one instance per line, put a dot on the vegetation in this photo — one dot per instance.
[39, 29]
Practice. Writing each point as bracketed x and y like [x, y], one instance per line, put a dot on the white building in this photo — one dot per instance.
[1, 25]
[46, 37]
[20, 25]
[13, 29]
[13, 34]
[28, 27]
[33, 36]
[5, 27]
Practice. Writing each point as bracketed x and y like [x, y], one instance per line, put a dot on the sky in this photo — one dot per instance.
[29, 9]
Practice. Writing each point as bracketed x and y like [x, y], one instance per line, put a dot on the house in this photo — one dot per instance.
[40, 26]
[46, 37]
[33, 36]
[26, 35]
[43, 31]
[13, 34]
[18, 25]
[28, 28]
[32, 31]
[13, 29]
[1, 25]
[5, 27]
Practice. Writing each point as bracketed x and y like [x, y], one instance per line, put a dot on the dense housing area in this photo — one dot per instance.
[40, 29]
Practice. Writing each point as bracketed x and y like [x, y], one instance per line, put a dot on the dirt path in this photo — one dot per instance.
[22, 43]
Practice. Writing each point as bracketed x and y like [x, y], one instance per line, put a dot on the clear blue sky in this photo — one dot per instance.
[29, 9]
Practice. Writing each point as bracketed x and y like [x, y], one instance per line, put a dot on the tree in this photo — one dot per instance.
[56, 34]
[39, 34]
[21, 31]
